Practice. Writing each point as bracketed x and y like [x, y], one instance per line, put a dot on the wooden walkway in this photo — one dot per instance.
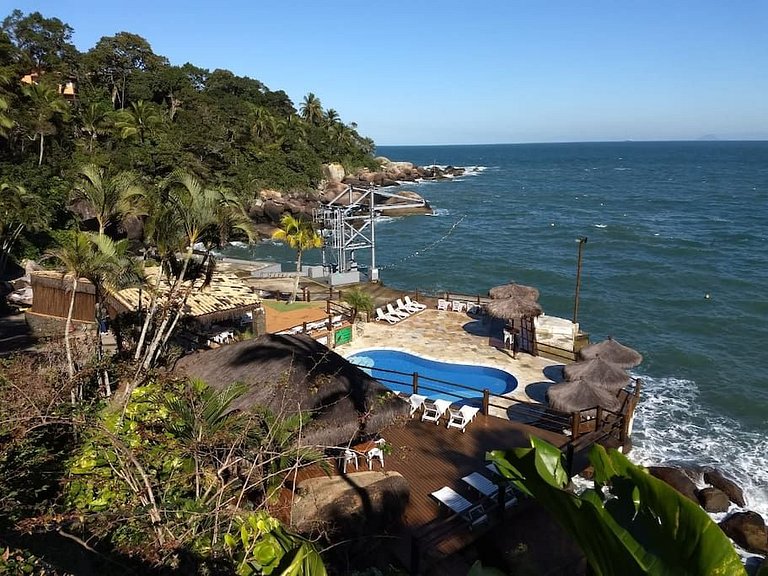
[431, 456]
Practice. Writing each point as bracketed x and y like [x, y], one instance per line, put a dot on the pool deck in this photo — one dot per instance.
[456, 337]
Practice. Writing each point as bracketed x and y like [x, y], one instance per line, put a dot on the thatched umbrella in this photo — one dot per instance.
[285, 373]
[513, 290]
[578, 395]
[512, 308]
[599, 373]
[614, 352]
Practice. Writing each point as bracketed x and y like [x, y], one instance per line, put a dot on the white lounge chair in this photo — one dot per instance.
[405, 308]
[461, 417]
[402, 314]
[490, 489]
[414, 304]
[443, 304]
[416, 401]
[381, 315]
[474, 514]
[433, 411]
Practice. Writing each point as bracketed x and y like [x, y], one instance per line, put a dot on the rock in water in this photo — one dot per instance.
[714, 500]
[748, 530]
[677, 479]
[735, 493]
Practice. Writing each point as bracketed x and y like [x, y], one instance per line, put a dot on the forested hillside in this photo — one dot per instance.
[121, 107]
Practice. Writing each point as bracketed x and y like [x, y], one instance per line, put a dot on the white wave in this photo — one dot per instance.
[440, 212]
[671, 427]
[621, 169]
[384, 219]
[601, 225]
[238, 244]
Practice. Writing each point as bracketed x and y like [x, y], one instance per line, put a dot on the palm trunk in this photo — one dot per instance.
[298, 273]
[40, 160]
[67, 345]
[150, 313]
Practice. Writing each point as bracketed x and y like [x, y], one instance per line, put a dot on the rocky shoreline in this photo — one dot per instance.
[269, 207]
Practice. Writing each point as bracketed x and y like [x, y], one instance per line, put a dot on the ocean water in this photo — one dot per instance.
[667, 224]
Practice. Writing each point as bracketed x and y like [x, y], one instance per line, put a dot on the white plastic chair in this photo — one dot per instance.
[416, 401]
[381, 315]
[347, 457]
[376, 452]
[458, 306]
[405, 308]
[402, 314]
[443, 304]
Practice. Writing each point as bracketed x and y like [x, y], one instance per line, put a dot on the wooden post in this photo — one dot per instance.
[575, 422]
[415, 382]
[486, 401]
[598, 417]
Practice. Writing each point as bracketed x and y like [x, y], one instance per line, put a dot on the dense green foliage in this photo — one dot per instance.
[631, 523]
[134, 111]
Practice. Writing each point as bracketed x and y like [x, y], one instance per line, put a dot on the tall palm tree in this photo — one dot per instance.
[46, 106]
[138, 120]
[312, 109]
[95, 121]
[109, 197]
[331, 117]
[300, 235]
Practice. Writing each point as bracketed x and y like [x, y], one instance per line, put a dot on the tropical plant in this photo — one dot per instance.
[108, 197]
[19, 209]
[95, 120]
[138, 120]
[630, 523]
[359, 299]
[312, 109]
[300, 235]
[46, 106]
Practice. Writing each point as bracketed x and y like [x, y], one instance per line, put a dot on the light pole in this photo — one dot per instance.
[581, 240]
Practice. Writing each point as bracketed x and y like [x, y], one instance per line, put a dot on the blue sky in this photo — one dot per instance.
[448, 72]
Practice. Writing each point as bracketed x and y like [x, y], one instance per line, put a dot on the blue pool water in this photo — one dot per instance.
[436, 379]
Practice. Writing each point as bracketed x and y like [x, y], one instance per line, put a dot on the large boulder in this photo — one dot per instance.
[364, 501]
[333, 172]
[735, 493]
[748, 530]
[273, 211]
[676, 478]
[410, 197]
[714, 500]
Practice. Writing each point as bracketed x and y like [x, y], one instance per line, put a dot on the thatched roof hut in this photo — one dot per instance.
[513, 308]
[578, 395]
[286, 373]
[614, 352]
[599, 373]
[513, 290]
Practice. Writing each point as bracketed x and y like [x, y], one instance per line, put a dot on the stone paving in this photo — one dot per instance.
[459, 338]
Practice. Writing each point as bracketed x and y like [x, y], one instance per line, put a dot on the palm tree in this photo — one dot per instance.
[359, 299]
[94, 121]
[300, 235]
[331, 117]
[138, 120]
[6, 122]
[312, 109]
[109, 197]
[46, 105]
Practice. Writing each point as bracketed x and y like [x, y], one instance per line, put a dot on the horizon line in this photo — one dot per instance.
[625, 141]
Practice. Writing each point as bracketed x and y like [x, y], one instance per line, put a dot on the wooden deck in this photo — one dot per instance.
[431, 456]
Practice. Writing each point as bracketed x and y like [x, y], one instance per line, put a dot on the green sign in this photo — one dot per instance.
[343, 336]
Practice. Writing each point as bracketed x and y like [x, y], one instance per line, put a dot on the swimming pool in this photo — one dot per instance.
[478, 377]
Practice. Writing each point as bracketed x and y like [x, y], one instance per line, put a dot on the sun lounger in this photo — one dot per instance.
[414, 304]
[381, 315]
[416, 401]
[482, 484]
[433, 411]
[405, 308]
[474, 514]
[461, 417]
[402, 314]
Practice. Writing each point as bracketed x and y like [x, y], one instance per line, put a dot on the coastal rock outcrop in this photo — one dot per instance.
[747, 529]
[676, 478]
[714, 500]
[333, 172]
[735, 494]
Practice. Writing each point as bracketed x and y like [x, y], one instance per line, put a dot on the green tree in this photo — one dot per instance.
[109, 197]
[44, 43]
[312, 109]
[630, 523]
[94, 121]
[46, 106]
[19, 209]
[300, 235]
[359, 299]
[138, 120]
